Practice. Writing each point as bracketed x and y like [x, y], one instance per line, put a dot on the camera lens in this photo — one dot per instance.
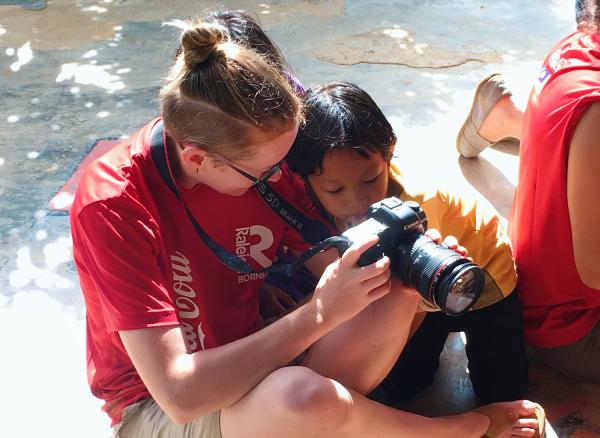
[443, 277]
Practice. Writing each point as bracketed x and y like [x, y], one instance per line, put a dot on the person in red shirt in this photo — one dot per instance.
[556, 211]
[171, 239]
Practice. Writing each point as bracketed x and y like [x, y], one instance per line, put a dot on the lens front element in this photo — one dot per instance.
[442, 276]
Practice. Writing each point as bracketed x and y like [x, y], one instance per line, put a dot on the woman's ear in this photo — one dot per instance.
[193, 156]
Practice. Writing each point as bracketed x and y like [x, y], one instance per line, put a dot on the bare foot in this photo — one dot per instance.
[513, 419]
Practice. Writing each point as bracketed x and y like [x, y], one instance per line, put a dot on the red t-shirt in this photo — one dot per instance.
[558, 308]
[141, 263]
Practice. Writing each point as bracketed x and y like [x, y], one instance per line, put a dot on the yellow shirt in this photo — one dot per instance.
[477, 229]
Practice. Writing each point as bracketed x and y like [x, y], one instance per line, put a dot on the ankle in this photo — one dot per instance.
[470, 424]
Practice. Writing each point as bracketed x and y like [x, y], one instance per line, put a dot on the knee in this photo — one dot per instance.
[312, 399]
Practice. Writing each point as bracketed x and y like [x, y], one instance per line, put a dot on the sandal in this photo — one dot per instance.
[502, 420]
[489, 91]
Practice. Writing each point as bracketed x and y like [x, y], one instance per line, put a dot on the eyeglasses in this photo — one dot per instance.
[264, 177]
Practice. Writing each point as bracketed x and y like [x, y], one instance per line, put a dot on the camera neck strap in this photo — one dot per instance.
[312, 231]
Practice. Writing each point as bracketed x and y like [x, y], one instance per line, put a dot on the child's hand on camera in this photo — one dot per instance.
[449, 241]
[273, 302]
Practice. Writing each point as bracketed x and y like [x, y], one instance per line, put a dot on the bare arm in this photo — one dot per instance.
[583, 195]
[187, 386]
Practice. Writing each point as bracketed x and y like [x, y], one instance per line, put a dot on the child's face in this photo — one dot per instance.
[349, 184]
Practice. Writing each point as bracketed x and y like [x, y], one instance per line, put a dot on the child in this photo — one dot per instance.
[343, 153]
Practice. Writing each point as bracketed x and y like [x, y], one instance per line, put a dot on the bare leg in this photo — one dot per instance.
[361, 352]
[504, 120]
[297, 402]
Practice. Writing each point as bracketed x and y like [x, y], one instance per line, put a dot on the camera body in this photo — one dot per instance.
[446, 279]
[393, 221]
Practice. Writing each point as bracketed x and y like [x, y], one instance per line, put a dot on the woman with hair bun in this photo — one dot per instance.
[171, 238]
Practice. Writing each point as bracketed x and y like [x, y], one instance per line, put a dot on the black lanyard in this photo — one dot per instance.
[314, 232]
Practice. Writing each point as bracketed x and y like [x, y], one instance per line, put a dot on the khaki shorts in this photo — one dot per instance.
[579, 360]
[145, 419]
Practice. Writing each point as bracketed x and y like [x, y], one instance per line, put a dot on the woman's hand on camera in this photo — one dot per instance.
[345, 288]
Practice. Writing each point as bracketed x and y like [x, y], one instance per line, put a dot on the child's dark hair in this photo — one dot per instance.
[339, 115]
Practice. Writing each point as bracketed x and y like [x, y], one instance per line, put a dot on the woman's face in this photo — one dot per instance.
[227, 176]
[349, 184]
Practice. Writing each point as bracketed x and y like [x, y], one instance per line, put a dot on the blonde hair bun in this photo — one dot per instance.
[200, 40]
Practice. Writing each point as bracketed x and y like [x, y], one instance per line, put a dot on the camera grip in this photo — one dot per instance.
[371, 255]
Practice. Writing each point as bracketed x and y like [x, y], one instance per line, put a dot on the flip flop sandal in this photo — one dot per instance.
[502, 420]
[489, 91]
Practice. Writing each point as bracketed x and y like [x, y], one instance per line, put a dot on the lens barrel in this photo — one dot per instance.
[442, 276]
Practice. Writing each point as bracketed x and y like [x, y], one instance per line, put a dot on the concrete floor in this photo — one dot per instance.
[75, 71]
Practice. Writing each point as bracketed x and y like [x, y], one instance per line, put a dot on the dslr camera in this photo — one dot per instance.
[444, 278]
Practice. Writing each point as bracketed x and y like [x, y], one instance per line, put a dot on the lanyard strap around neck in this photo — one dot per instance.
[312, 231]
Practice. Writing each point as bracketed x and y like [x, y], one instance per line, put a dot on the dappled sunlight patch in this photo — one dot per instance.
[26, 271]
[24, 56]
[265, 8]
[57, 252]
[564, 10]
[96, 9]
[425, 151]
[89, 74]
[41, 235]
[40, 214]
[62, 201]
[397, 32]
[43, 273]
[45, 342]
[90, 54]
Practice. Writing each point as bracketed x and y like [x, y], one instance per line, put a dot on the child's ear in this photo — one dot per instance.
[391, 151]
